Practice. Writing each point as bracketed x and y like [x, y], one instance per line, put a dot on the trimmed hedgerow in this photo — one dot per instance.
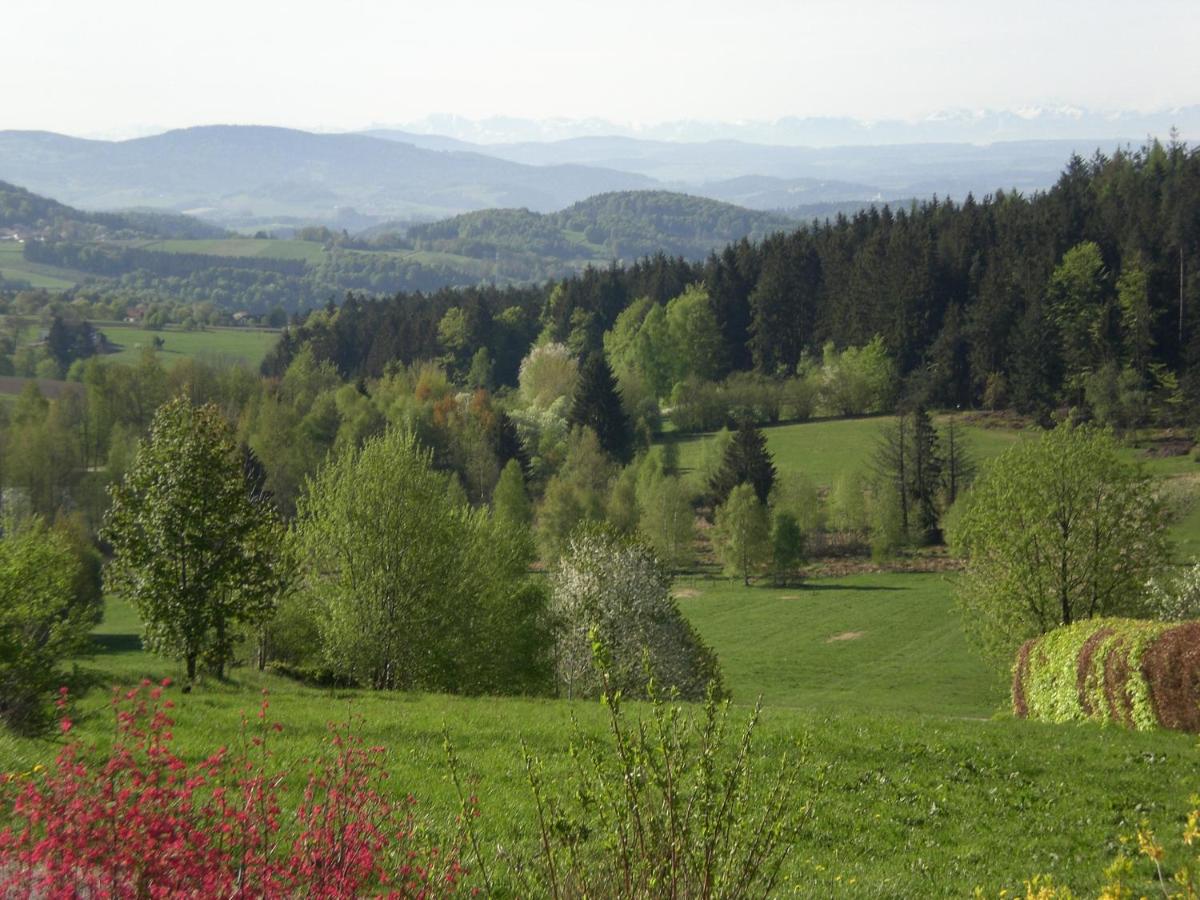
[1136, 673]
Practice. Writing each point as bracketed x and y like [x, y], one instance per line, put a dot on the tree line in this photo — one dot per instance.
[1084, 293]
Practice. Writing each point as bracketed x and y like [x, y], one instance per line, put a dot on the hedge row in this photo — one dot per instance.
[1136, 673]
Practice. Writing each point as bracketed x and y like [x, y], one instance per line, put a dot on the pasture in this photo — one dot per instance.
[825, 449]
[919, 783]
[308, 251]
[227, 345]
[15, 267]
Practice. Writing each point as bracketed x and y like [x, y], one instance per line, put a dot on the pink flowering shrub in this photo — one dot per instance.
[139, 821]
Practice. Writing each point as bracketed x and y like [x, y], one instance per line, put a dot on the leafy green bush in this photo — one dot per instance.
[1137, 673]
[42, 621]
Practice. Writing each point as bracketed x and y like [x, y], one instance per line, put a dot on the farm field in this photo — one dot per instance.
[917, 786]
[229, 345]
[13, 265]
[309, 251]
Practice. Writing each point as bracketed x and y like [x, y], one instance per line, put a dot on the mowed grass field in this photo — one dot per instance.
[828, 448]
[228, 345]
[889, 642]
[917, 781]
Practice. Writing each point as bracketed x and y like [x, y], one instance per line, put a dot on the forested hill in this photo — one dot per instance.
[1023, 300]
[623, 224]
[32, 216]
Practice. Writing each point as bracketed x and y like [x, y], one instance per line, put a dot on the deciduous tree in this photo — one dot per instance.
[193, 549]
[1058, 529]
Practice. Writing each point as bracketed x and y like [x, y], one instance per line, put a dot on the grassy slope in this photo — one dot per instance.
[825, 449]
[14, 265]
[911, 656]
[912, 795]
[226, 344]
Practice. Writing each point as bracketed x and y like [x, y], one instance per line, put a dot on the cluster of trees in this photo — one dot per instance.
[1079, 295]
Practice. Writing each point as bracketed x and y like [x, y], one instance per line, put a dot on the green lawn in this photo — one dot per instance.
[229, 345]
[917, 787]
[886, 642]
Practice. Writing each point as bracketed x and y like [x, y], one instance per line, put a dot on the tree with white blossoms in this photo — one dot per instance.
[612, 590]
[1175, 597]
[549, 373]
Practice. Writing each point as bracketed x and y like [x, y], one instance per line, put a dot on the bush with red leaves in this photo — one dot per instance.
[139, 821]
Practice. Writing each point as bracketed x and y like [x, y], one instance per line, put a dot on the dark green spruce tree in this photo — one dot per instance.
[926, 474]
[747, 461]
[597, 405]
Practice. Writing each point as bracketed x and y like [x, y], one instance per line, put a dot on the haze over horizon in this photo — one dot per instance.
[126, 68]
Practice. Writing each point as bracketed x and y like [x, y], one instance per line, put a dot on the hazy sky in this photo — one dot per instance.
[118, 67]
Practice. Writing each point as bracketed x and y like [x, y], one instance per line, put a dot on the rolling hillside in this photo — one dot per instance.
[625, 225]
[27, 214]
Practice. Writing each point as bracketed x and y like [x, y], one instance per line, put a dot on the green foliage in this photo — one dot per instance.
[664, 809]
[787, 546]
[1058, 529]
[848, 505]
[548, 373]
[192, 548]
[510, 500]
[413, 589]
[575, 494]
[885, 524]
[743, 532]
[1077, 294]
[43, 621]
[857, 380]
[667, 520]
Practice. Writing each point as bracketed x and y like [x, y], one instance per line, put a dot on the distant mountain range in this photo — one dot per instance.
[250, 177]
[947, 126]
[247, 175]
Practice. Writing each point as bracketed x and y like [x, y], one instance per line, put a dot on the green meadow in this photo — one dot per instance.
[227, 345]
[827, 448]
[914, 779]
[15, 267]
[308, 251]
[918, 782]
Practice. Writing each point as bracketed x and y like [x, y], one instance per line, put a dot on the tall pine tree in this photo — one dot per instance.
[597, 405]
[747, 461]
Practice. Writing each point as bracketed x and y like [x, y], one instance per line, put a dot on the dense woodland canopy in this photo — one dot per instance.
[1005, 300]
